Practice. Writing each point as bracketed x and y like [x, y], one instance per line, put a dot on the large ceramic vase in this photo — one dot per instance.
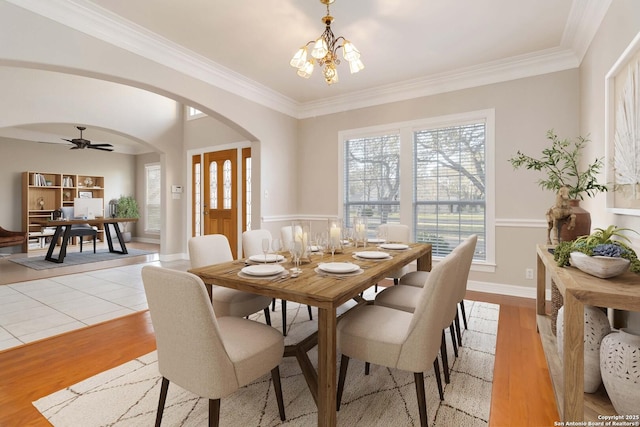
[596, 327]
[620, 366]
[583, 223]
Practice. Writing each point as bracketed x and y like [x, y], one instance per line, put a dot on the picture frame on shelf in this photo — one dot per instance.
[85, 194]
[622, 113]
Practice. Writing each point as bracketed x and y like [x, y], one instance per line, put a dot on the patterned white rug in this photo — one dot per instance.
[128, 395]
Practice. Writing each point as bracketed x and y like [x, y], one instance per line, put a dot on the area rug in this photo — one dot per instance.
[128, 394]
[77, 258]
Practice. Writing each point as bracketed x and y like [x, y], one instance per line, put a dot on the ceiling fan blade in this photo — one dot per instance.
[74, 148]
[100, 148]
[100, 145]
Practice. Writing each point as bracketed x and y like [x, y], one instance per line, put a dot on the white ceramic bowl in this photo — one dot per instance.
[603, 267]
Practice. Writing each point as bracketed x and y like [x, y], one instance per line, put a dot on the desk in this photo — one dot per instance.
[326, 293]
[63, 228]
[579, 289]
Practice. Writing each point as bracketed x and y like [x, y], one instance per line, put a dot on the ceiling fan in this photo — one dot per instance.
[81, 143]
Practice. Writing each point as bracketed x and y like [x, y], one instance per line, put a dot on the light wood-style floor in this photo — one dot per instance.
[522, 393]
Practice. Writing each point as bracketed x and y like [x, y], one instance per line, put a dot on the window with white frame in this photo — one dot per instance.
[447, 162]
[152, 213]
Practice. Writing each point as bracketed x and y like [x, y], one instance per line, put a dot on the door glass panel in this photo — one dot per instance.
[226, 176]
[197, 194]
[213, 185]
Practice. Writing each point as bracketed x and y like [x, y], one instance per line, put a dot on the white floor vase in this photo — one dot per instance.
[596, 327]
[620, 367]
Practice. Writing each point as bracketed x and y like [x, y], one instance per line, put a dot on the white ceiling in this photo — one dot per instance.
[409, 47]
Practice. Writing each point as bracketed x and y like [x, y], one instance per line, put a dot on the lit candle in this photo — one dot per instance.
[334, 235]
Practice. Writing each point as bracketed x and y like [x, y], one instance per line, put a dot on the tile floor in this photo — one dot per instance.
[41, 308]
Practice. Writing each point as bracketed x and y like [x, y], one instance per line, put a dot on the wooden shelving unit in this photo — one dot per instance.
[44, 192]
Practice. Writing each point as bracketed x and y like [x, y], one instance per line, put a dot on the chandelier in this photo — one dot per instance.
[325, 52]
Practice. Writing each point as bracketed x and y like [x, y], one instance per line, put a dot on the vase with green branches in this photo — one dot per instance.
[560, 162]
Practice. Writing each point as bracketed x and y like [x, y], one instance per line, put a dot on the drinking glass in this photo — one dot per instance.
[265, 248]
[295, 248]
[276, 245]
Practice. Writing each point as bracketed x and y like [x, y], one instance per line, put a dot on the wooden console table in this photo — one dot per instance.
[578, 289]
[63, 229]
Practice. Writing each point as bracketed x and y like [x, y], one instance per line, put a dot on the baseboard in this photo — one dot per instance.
[510, 290]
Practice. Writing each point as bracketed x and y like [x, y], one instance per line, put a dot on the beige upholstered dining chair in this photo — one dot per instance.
[404, 297]
[207, 355]
[399, 339]
[214, 249]
[252, 245]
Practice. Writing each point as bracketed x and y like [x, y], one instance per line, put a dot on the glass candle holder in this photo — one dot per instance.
[360, 231]
[334, 234]
[301, 230]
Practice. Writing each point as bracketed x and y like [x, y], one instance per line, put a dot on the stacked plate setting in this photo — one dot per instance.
[263, 270]
[371, 255]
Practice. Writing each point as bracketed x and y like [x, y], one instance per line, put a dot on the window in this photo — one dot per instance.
[435, 175]
[152, 213]
[194, 113]
[449, 186]
[372, 171]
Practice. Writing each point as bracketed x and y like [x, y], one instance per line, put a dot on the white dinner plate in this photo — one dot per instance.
[394, 246]
[263, 269]
[269, 258]
[372, 255]
[376, 241]
[338, 267]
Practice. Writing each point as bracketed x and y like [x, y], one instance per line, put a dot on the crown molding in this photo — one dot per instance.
[85, 16]
[584, 20]
[543, 62]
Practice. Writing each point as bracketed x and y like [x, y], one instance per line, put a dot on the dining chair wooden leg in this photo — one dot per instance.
[464, 315]
[445, 358]
[163, 397]
[273, 304]
[283, 307]
[267, 316]
[453, 339]
[344, 364]
[436, 371]
[277, 386]
[422, 399]
[367, 367]
[310, 313]
[214, 412]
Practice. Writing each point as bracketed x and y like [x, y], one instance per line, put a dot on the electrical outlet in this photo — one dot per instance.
[528, 273]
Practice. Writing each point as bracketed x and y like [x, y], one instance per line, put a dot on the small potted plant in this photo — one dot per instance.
[127, 207]
[599, 253]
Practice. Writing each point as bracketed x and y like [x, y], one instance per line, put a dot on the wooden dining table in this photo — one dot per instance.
[327, 293]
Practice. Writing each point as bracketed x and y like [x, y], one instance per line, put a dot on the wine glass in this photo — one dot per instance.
[296, 252]
[265, 248]
[276, 245]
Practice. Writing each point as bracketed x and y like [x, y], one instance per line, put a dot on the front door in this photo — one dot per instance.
[220, 192]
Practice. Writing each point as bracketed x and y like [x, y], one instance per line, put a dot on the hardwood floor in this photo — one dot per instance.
[522, 393]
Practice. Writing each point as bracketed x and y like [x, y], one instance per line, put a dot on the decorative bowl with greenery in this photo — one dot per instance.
[599, 243]
[560, 163]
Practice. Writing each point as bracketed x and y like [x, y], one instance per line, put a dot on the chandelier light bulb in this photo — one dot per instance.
[350, 52]
[355, 66]
[320, 48]
[330, 74]
[306, 70]
[300, 58]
